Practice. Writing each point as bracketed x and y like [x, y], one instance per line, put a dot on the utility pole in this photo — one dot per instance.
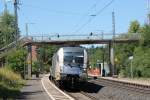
[148, 12]
[5, 9]
[27, 28]
[113, 24]
[16, 20]
[113, 43]
[103, 68]
[27, 33]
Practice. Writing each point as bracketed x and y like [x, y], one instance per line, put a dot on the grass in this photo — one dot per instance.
[10, 83]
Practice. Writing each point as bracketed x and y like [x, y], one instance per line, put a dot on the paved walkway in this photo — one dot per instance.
[33, 90]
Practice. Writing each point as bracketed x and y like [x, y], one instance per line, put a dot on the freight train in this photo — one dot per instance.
[69, 64]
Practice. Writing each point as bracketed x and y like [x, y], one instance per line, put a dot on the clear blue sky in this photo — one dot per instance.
[68, 16]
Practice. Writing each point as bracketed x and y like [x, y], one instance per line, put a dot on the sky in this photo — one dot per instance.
[77, 16]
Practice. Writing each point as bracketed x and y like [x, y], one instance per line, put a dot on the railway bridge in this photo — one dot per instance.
[61, 40]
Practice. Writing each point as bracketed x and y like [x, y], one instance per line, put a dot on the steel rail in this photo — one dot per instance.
[125, 85]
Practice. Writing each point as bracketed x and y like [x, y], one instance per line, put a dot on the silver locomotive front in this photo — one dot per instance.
[74, 63]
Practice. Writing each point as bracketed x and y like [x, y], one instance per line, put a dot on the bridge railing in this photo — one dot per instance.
[57, 37]
[64, 37]
[134, 36]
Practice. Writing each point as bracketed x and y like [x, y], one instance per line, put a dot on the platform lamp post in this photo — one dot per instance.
[131, 67]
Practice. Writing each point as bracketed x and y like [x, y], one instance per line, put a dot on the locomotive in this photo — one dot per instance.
[69, 64]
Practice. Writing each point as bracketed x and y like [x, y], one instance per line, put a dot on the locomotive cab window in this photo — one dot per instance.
[73, 57]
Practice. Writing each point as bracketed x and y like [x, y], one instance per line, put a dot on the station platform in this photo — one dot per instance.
[33, 90]
[141, 81]
[53, 91]
[42, 88]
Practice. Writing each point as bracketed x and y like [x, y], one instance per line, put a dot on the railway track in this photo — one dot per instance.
[102, 90]
[77, 94]
[124, 85]
[81, 95]
[86, 92]
[92, 97]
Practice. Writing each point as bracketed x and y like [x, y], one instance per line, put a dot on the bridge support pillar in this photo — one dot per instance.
[29, 61]
[111, 58]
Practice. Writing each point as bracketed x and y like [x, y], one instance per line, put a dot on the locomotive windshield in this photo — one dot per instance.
[73, 58]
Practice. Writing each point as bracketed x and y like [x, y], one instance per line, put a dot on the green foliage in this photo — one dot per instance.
[16, 60]
[145, 39]
[7, 30]
[35, 67]
[10, 83]
[141, 62]
[95, 54]
[49, 50]
[140, 53]
[123, 72]
[124, 51]
[134, 27]
[45, 54]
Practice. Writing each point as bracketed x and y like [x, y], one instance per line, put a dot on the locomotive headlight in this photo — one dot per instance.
[84, 69]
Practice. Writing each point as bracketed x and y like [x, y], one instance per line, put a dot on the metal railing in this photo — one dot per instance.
[57, 37]
[41, 38]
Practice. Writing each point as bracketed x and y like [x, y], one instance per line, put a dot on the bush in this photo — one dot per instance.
[35, 67]
[46, 68]
[122, 73]
[16, 60]
[141, 62]
[10, 83]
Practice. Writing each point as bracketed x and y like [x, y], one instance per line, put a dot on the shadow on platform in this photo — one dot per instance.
[87, 87]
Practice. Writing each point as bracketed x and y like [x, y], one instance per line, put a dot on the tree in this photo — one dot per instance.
[45, 54]
[141, 60]
[134, 27]
[123, 51]
[140, 53]
[16, 60]
[95, 54]
[7, 29]
[145, 39]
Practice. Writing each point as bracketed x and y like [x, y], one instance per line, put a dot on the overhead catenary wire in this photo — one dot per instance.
[27, 20]
[94, 15]
[88, 12]
[74, 13]
[54, 10]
